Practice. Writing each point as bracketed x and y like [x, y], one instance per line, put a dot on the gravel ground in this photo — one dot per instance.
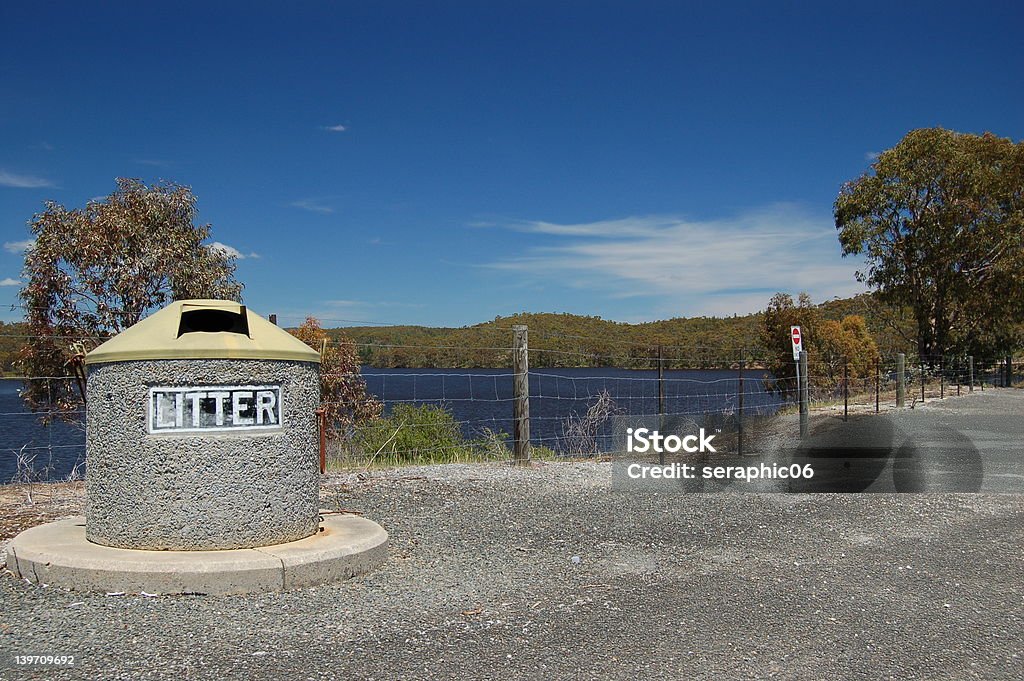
[548, 573]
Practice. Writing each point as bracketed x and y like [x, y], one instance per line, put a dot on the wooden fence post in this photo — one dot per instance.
[970, 373]
[520, 396]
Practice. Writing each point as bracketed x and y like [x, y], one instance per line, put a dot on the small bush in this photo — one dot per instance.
[580, 433]
[412, 434]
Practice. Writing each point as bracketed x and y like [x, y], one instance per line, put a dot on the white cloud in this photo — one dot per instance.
[369, 303]
[8, 179]
[334, 128]
[231, 250]
[346, 312]
[872, 156]
[10, 282]
[312, 205]
[686, 267]
[19, 246]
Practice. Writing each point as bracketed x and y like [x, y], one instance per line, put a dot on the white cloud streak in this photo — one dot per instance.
[334, 128]
[710, 267]
[369, 303]
[18, 247]
[9, 179]
[345, 312]
[7, 281]
[313, 206]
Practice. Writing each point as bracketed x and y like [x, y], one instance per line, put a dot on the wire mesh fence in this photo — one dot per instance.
[577, 399]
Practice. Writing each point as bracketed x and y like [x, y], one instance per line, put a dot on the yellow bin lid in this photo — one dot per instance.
[203, 329]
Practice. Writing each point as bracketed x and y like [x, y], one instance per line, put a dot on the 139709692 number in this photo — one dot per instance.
[48, 660]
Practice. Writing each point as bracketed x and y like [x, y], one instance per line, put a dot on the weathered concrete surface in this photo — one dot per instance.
[58, 554]
[346, 546]
[200, 490]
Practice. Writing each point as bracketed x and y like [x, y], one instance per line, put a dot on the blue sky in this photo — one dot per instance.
[445, 163]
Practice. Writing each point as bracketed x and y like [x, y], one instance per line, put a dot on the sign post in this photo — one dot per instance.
[796, 336]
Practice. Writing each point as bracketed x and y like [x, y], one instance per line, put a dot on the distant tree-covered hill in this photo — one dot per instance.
[567, 340]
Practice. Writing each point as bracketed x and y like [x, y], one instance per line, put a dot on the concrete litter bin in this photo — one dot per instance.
[202, 466]
[202, 432]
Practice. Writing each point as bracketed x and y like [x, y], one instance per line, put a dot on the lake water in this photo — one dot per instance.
[54, 450]
[478, 399]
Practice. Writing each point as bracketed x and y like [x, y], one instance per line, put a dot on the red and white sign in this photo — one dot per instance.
[798, 341]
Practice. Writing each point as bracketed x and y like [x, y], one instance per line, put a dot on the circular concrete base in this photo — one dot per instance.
[58, 554]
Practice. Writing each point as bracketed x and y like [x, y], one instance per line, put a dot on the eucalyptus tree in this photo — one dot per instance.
[939, 220]
[94, 271]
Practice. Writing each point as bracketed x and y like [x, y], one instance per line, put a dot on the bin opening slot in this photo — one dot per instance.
[214, 320]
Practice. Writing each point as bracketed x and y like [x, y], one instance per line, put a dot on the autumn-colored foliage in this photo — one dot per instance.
[845, 346]
[830, 344]
[342, 389]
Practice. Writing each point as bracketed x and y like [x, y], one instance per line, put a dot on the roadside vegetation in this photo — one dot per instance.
[418, 435]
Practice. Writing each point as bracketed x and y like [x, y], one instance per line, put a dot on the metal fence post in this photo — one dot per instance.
[803, 393]
[846, 389]
[739, 422]
[921, 362]
[661, 382]
[661, 401]
[1008, 381]
[520, 396]
[942, 378]
[901, 380]
[878, 384]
